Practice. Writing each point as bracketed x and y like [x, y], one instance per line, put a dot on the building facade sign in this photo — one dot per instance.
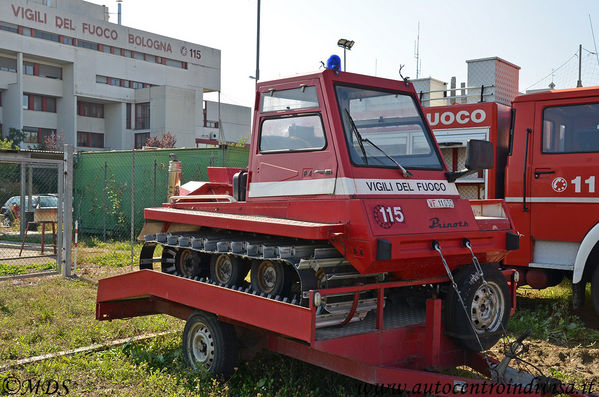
[59, 22]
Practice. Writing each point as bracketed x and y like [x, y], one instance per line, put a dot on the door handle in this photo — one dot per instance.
[324, 172]
[538, 173]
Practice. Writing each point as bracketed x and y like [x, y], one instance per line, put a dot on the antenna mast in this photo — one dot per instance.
[417, 52]
[594, 42]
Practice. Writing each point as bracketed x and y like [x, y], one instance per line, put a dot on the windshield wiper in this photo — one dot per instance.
[405, 172]
[357, 134]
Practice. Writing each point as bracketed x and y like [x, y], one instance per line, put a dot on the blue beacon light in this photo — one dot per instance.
[334, 63]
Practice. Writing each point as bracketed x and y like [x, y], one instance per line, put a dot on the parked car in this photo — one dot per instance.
[11, 208]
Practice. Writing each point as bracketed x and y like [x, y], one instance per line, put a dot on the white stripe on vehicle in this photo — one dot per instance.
[590, 200]
[351, 186]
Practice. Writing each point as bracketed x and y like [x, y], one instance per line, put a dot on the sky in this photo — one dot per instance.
[296, 35]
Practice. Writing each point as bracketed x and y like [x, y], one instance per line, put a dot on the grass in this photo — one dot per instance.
[547, 313]
[54, 314]
[58, 314]
[156, 368]
[7, 270]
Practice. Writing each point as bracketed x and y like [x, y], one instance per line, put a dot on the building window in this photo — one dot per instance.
[90, 139]
[8, 64]
[32, 135]
[9, 27]
[87, 44]
[39, 103]
[137, 84]
[29, 68]
[102, 79]
[89, 109]
[128, 116]
[140, 140]
[37, 135]
[48, 71]
[142, 116]
[46, 35]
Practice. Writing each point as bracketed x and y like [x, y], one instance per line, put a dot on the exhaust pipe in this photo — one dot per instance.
[174, 176]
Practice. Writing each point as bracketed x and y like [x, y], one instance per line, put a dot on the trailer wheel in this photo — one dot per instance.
[595, 289]
[187, 263]
[488, 309]
[227, 269]
[268, 277]
[210, 344]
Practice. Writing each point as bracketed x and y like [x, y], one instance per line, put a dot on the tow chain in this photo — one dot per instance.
[479, 272]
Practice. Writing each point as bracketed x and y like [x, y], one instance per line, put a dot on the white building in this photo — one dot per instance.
[65, 69]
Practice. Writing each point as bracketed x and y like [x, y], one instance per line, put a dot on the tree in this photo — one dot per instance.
[16, 136]
[52, 142]
[164, 140]
[6, 144]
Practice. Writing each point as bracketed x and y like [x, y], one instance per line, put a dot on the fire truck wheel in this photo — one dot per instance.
[210, 344]
[228, 270]
[187, 263]
[488, 309]
[268, 277]
[595, 289]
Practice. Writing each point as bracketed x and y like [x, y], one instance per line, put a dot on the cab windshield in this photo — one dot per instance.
[382, 124]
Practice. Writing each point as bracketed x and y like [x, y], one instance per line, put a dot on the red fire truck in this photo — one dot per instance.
[546, 163]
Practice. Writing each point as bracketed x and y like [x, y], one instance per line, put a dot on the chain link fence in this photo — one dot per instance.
[29, 199]
[107, 183]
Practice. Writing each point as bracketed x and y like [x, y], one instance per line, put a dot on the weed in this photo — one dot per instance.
[6, 269]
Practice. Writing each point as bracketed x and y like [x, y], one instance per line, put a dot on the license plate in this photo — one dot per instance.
[440, 203]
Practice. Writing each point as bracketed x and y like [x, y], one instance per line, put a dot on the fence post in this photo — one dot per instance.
[104, 202]
[60, 217]
[132, 201]
[68, 209]
[23, 222]
[155, 165]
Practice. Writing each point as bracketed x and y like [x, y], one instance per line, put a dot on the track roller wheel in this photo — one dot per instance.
[488, 309]
[228, 270]
[187, 263]
[210, 344]
[268, 277]
[168, 260]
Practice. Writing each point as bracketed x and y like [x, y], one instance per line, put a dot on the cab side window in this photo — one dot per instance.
[296, 133]
[571, 128]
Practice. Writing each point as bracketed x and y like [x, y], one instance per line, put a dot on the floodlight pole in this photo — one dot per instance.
[258, 44]
[344, 57]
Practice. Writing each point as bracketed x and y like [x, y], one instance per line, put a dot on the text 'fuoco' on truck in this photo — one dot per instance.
[345, 187]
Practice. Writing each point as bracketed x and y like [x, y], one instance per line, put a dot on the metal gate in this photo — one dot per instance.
[35, 195]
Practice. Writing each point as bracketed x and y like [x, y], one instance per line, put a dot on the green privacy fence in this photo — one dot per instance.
[104, 184]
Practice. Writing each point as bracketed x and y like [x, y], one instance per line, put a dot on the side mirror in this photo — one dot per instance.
[479, 156]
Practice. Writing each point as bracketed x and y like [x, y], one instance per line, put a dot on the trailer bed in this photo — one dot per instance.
[403, 345]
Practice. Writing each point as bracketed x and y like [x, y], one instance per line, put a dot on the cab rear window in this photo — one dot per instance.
[304, 97]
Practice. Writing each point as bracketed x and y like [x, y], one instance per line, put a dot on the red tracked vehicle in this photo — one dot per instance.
[345, 186]
[361, 255]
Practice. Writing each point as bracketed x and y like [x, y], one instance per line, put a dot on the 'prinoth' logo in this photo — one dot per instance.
[437, 224]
